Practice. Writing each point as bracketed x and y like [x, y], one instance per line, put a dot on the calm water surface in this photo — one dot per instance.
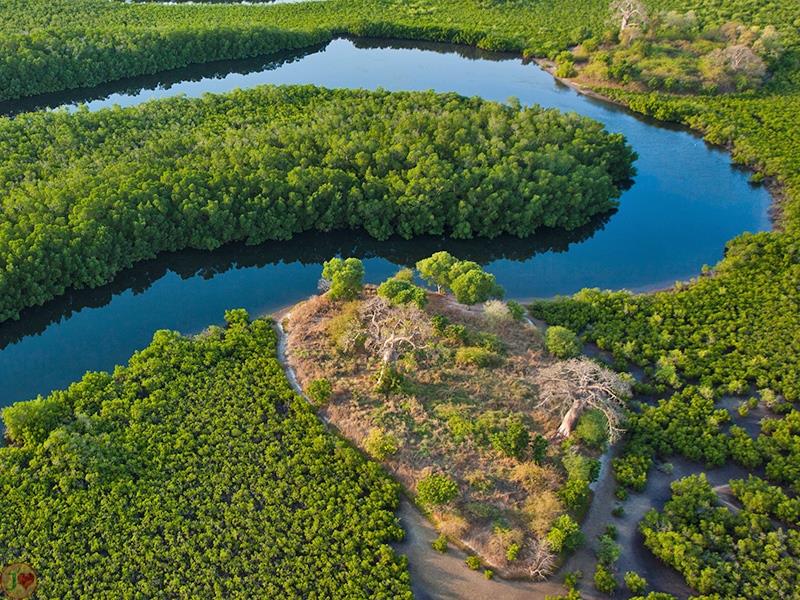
[687, 201]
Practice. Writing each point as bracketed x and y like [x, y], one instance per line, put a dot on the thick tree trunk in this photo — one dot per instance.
[570, 418]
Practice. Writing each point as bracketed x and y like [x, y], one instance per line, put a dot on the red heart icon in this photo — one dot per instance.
[26, 579]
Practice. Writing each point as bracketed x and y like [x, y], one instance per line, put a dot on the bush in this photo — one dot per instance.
[512, 552]
[380, 444]
[496, 313]
[511, 441]
[488, 574]
[516, 310]
[436, 489]
[608, 551]
[402, 291]
[635, 583]
[473, 562]
[604, 580]
[565, 535]
[562, 342]
[440, 544]
[319, 391]
[479, 357]
[592, 429]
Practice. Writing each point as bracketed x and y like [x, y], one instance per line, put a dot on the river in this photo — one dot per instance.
[686, 202]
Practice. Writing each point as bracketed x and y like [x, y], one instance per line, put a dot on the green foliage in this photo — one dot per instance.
[402, 291]
[128, 184]
[722, 552]
[31, 422]
[565, 535]
[319, 391]
[381, 444]
[592, 429]
[479, 357]
[473, 562]
[686, 423]
[346, 277]
[440, 544]
[436, 269]
[562, 342]
[516, 310]
[635, 583]
[512, 440]
[488, 574]
[512, 552]
[608, 551]
[436, 489]
[604, 579]
[581, 471]
[475, 286]
[194, 460]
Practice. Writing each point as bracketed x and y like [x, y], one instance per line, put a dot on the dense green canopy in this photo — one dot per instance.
[84, 195]
[195, 471]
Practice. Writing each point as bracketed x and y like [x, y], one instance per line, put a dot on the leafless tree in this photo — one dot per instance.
[628, 12]
[743, 60]
[392, 330]
[569, 387]
[542, 562]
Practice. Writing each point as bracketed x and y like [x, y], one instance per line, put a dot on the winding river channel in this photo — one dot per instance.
[686, 202]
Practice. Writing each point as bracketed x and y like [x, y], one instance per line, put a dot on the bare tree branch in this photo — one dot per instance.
[568, 388]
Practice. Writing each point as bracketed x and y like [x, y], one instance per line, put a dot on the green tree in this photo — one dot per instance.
[562, 342]
[474, 286]
[346, 277]
[436, 269]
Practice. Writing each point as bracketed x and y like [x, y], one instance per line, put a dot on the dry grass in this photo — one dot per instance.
[441, 419]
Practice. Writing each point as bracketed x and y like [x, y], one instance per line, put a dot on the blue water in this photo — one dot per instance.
[687, 201]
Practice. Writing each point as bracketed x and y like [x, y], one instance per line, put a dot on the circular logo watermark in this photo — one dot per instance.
[18, 580]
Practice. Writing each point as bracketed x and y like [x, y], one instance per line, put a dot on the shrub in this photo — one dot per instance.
[511, 441]
[319, 391]
[440, 544]
[473, 562]
[604, 580]
[479, 357]
[608, 551]
[402, 291]
[346, 277]
[565, 535]
[496, 313]
[488, 574]
[512, 551]
[380, 444]
[436, 489]
[562, 342]
[635, 583]
[592, 429]
[539, 448]
[541, 510]
[516, 310]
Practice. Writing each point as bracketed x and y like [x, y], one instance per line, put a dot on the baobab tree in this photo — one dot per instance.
[392, 330]
[568, 388]
[628, 12]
